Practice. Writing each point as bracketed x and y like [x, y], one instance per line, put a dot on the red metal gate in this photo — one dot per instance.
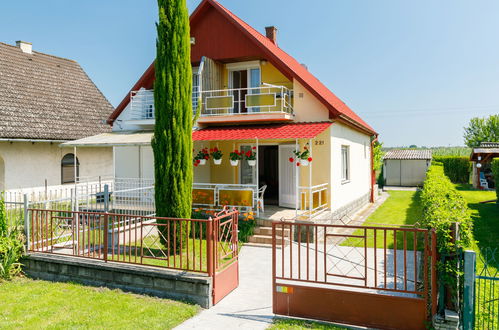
[369, 276]
[225, 267]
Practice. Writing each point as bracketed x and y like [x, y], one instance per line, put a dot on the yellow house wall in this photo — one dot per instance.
[225, 173]
[306, 106]
[269, 75]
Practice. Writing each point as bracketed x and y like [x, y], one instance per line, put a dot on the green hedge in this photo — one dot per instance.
[457, 168]
[443, 205]
[495, 171]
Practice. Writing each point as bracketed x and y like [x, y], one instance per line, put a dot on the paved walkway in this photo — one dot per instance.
[250, 305]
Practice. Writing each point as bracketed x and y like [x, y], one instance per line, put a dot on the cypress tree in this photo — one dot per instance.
[172, 141]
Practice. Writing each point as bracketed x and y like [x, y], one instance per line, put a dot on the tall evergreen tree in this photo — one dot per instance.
[172, 142]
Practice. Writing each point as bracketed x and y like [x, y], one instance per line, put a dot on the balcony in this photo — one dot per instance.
[257, 104]
[267, 103]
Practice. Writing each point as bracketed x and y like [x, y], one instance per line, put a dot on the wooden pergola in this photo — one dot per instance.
[483, 155]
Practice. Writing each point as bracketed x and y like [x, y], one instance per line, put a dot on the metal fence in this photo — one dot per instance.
[360, 275]
[117, 195]
[481, 290]
[197, 245]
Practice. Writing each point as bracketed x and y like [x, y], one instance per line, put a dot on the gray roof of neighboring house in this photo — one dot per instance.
[48, 97]
[408, 154]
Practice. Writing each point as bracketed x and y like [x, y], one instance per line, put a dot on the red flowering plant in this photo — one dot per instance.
[301, 155]
[216, 153]
[251, 154]
[236, 155]
[202, 154]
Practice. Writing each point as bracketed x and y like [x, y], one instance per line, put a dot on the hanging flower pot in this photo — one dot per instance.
[235, 156]
[251, 156]
[302, 157]
[216, 154]
[201, 157]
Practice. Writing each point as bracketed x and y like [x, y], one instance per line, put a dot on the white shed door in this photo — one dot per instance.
[287, 177]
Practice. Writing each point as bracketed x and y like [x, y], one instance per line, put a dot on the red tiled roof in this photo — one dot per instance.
[274, 131]
[276, 55]
[298, 70]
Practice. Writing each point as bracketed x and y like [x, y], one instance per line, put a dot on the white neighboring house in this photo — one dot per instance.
[44, 101]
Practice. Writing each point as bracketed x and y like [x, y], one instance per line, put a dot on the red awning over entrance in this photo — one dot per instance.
[262, 132]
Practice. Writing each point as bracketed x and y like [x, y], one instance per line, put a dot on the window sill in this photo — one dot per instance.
[345, 181]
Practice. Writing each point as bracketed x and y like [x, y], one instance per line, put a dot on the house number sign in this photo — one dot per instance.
[319, 142]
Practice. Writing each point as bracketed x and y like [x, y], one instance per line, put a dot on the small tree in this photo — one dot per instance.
[172, 142]
[482, 130]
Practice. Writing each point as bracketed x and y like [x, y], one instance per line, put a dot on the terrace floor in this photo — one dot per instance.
[274, 212]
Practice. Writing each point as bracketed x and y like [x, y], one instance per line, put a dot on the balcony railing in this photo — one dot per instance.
[142, 104]
[268, 99]
[245, 101]
[313, 199]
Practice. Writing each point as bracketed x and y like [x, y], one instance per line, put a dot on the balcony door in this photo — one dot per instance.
[240, 80]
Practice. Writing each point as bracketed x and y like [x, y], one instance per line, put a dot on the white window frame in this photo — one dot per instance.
[345, 164]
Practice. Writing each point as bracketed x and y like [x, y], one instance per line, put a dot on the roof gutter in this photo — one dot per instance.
[33, 140]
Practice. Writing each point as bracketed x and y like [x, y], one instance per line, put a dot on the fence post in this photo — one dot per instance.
[106, 235]
[26, 220]
[106, 198]
[433, 269]
[209, 246]
[469, 289]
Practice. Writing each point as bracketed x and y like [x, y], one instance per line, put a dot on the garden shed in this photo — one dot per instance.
[481, 157]
[406, 168]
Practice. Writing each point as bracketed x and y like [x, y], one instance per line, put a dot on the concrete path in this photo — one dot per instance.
[250, 305]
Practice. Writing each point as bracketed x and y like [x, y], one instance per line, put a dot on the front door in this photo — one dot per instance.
[287, 177]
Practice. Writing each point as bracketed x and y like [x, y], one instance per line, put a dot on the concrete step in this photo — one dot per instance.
[267, 231]
[264, 239]
[264, 222]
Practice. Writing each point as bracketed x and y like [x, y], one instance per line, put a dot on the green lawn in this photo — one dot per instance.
[285, 324]
[401, 208]
[30, 304]
[485, 217]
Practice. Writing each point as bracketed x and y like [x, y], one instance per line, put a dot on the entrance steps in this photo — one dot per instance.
[263, 234]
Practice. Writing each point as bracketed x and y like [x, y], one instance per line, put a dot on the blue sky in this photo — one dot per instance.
[417, 71]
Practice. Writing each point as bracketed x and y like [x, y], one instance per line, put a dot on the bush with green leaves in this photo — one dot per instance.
[443, 205]
[456, 168]
[11, 247]
[11, 250]
[495, 171]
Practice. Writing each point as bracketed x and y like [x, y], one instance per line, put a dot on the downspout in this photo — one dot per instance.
[373, 172]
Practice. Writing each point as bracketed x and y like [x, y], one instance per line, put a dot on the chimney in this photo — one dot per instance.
[26, 47]
[271, 33]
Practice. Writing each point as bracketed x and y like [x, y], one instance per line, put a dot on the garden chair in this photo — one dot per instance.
[261, 192]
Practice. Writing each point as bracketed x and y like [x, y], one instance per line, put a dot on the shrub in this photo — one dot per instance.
[495, 171]
[442, 206]
[456, 168]
[3, 217]
[11, 250]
